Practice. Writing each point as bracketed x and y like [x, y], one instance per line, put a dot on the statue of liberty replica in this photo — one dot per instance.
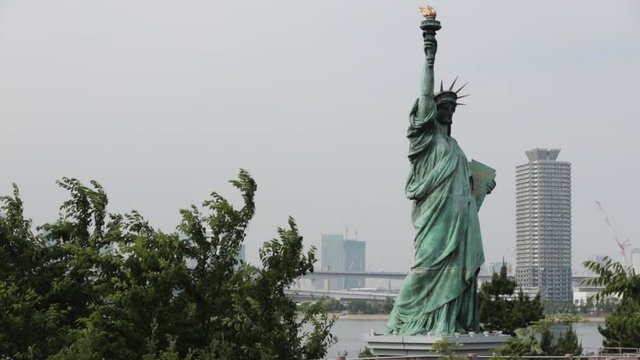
[439, 295]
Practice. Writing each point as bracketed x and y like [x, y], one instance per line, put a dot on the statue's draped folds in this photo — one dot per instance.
[439, 294]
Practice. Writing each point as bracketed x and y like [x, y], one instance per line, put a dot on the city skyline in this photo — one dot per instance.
[168, 105]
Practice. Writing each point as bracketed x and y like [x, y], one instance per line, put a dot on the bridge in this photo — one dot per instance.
[366, 275]
[302, 295]
[397, 275]
[362, 294]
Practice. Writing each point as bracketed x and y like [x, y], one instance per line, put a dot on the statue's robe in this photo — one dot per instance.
[439, 295]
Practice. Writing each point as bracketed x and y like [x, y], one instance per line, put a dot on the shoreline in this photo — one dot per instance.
[342, 316]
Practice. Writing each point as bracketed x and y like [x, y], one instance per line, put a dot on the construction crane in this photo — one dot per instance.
[621, 245]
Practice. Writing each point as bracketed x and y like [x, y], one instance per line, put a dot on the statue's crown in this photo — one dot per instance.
[449, 95]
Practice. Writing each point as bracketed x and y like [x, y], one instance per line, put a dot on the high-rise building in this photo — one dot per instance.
[354, 257]
[332, 258]
[340, 255]
[543, 224]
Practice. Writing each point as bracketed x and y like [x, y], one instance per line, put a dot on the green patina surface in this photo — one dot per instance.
[439, 295]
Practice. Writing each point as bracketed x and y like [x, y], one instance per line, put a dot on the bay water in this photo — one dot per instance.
[350, 334]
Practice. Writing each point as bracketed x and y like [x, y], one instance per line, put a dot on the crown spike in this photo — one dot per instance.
[462, 87]
[462, 96]
[441, 86]
[453, 83]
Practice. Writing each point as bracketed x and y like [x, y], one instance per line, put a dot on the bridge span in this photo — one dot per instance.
[301, 295]
[397, 275]
[365, 274]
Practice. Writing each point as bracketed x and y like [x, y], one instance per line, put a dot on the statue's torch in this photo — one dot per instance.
[429, 25]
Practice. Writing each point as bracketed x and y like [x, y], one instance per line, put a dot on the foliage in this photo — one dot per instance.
[365, 353]
[387, 305]
[596, 307]
[622, 327]
[615, 278]
[539, 339]
[447, 350]
[567, 343]
[356, 306]
[546, 341]
[93, 286]
[360, 307]
[559, 307]
[524, 343]
[333, 305]
[500, 311]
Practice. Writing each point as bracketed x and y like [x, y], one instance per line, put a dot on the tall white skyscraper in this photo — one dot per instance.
[543, 225]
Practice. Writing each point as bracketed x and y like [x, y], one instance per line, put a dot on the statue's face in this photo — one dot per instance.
[444, 113]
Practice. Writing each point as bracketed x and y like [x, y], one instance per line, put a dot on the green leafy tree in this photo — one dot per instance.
[524, 343]
[559, 307]
[567, 343]
[333, 305]
[622, 327]
[366, 353]
[546, 341]
[539, 339]
[499, 311]
[447, 350]
[94, 285]
[360, 307]
[387, 305]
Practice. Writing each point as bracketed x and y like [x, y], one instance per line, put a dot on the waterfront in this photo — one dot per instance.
[350, 332]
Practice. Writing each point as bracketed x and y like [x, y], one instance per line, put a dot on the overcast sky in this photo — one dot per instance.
[163, 101]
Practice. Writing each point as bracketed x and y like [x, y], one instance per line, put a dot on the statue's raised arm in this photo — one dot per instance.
[426, 102]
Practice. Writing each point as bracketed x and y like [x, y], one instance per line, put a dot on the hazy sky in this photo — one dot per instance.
[163, 101]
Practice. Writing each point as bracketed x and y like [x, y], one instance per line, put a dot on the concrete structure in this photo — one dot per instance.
[483, 344]
[543, 224]
[354, 261]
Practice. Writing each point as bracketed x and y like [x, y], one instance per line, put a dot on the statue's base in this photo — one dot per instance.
[392, 345]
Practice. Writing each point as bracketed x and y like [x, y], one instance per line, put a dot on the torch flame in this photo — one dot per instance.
[428, 11]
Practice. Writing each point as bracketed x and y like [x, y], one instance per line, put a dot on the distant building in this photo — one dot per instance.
[332, 258]
[354, 261]
[340, 255]
[494, 267]
[543, 224]
[635, 259]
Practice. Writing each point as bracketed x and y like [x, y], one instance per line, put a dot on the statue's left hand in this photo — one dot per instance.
[491, 186]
